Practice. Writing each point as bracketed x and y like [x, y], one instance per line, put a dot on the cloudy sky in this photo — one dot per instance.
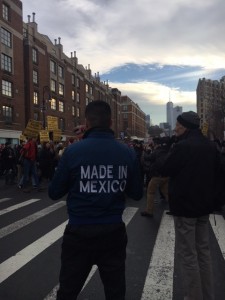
[151, 50]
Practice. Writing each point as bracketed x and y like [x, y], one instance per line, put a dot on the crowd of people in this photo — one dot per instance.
[30, 163]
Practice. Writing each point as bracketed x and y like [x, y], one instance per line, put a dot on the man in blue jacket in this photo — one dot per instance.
[97, 173]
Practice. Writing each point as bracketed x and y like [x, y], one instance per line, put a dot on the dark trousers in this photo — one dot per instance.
[83, 246]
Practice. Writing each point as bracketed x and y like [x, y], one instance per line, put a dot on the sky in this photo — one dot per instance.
[152, 51]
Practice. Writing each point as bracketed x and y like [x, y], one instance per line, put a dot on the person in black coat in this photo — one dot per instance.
[192, 166]
[9, 163]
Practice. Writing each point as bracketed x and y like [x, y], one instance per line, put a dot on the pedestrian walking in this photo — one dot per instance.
[9, 163]
[97, 173]
[192, 166]
[29, 152]
[157, 181]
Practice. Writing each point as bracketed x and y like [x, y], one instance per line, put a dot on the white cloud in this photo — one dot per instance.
[153, 97]
[111, 33]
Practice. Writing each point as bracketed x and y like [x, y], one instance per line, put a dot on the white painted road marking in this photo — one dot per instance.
[159, 279]
[4, 199]
[29, 219]
[21, 258]
[219, 231]
[17, 206]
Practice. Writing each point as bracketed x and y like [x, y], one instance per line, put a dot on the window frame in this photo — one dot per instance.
[35, 77]
[53, 66]
[6, 37]
[61, 106]
[5, 12]
[7, 87]
[6, 61]
[61, 89]
[7, 112]
[34, 55]
[35, 98]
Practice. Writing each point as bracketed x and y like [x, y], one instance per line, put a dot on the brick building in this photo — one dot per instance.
[12, 98]
[211, 106]
[39, 80]
[133, 119]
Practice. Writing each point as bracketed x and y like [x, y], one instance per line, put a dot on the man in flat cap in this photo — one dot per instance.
[192, 166]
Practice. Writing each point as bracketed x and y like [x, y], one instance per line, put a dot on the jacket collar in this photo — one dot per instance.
[98, 130]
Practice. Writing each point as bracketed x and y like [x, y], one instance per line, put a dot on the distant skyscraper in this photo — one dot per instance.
[172, 113]
[169, 113]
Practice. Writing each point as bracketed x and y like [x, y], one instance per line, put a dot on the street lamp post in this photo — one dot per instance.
[46, 96]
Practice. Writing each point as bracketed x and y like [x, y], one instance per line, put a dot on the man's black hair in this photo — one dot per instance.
[98, 114]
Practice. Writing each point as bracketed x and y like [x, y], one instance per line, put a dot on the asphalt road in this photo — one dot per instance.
[31, 227]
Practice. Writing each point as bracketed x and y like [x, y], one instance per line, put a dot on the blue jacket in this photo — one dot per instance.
[97, 172]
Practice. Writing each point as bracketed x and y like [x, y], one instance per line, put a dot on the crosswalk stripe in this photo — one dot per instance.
[17, 206]
[159, 279]
[31, 218]
[4, 199]
[219, 231]
[21, 258]
[128, 214]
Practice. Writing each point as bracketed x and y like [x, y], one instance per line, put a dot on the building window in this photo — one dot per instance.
[73, 79]
[52, 66]
[36, 116]
[60, 71]
[73, 111]
[61, 89]
[34, 56]
[78, 97]
[5, 12]
[87, 88]
[78, 112]
[124, 107]
[6, 63]
[35, 98]
[91, 90]
[53, 85]
[7, 88]
[61, 106]
[125, 116]
[87, 100]
[6, 37]
[53, 104]
[35, 77]
[7, 113]
[78, 82]
[73, 95]
[61, 124]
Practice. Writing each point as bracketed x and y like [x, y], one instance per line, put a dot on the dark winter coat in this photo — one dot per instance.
[157, 159]
[192, 166]
[97, 172]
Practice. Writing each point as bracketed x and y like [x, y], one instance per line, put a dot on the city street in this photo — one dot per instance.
[31, 228]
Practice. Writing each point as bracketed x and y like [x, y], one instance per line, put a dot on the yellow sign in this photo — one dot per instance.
[32, 129]
[52, 123]
[23, 138]
[44, 136]
[205, 128]
[57, 134]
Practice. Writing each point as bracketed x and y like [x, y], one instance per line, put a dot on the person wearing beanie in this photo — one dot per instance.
[192, 165]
